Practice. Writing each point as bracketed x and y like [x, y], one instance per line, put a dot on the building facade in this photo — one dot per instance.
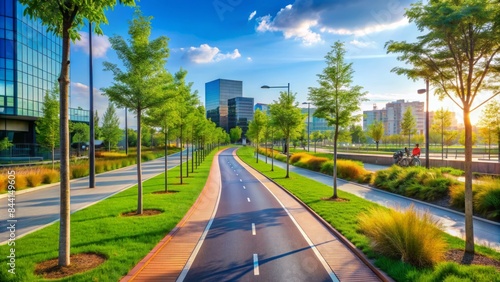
[30, 63]
[376, 115]
[315, 123]
[217, 93]
[262, 107]
[392, 116]
[240, 113]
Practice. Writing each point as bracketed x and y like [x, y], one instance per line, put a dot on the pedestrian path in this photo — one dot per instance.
[486, 232]
[37, 208]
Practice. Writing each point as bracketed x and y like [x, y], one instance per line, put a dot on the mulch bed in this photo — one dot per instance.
[460, 257]
[145, 212]
[331, 199]
[166, 192]
[79, 263]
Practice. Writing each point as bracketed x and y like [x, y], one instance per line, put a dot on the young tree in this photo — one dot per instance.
[235, 134]
[376, 131]
[81, 133]
[490, 123]
[97, 128]
[408, 124]
[5, 144]
[47, 126]
[441, 124]
[65, 18]
[132, 137]
[458, 55]
[336, 100]
[316, 136]
[257, 126]
[111, 131]
[357, 134]
[140, 86]
[287, 117]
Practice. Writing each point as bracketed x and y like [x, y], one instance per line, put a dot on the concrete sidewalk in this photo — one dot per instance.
[486, 232]
[38, 207]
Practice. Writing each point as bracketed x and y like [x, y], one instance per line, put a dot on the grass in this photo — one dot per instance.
[343, 217]
[124, 241]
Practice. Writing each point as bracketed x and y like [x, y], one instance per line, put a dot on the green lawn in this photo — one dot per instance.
[101, 229]
[343, 217]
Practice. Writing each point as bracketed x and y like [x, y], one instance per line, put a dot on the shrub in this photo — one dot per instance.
[457, 196]
[21, 181]
[327, 168]
[404, 235]
[299, 157]
[125, 162]
[350, 170]
[34, 178]
[452, 171]
[51, 176]
[487, 198]
[78, 171]
[315, 163]
[301, 164]
[148, 157]
[99, 167]
[4, 181]
[280, 157]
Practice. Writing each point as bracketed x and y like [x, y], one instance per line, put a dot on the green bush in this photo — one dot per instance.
[452, 171]
[99, 167]
[404, 235]
[327, 168]
[487, 198]
[315, 163]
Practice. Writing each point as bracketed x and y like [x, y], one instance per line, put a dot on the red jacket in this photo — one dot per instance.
[416, 151]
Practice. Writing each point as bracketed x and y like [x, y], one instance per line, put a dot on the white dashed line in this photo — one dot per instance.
[255, 265]
[241, 180]
[244, 187]
[248, 199]
[253, 229]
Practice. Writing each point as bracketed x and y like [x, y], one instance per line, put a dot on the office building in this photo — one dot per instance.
[30, 63]
[217, 93]
[262, 107]
[240, 113]
[370, 117]
[392, 116]
[316, 124]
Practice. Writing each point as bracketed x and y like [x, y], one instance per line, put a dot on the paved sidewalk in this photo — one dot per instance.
[486, 232]
[38, 207]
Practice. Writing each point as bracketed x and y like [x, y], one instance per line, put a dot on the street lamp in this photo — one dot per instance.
[288, 87]
[308, 122]
[91, 120]
[426, 91]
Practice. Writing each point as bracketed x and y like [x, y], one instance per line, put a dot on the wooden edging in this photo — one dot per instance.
[383, 276]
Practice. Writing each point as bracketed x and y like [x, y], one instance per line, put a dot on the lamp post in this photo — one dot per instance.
[288, 87]
[126, 132]
[308, 122]
[91, 120]
[426, 91]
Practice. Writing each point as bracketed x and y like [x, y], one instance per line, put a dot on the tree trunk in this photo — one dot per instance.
[335, 137]
[469, 230]
[64, 223]
[377, 144]
[180, 160]
[166, 162]
[287, 145]
[192, 151]
[53, 156]
[257, 146]
[139, 160]
[187, 157]
[272, 151]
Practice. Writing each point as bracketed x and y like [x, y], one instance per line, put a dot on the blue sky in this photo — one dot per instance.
[264, 42]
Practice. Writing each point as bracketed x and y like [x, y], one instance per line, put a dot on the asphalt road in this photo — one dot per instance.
[34, 210]
[252, 238]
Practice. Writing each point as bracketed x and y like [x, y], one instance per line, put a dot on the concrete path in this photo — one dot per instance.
[486, 232]
[37, 207]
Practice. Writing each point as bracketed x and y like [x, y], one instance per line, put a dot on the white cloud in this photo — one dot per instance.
[252, 15]
[100, 44]
[207, 54]
[362, 44]
[374, 28]
[249, 59]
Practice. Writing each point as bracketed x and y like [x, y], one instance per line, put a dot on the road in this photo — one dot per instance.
[36, 209]
[253, 235]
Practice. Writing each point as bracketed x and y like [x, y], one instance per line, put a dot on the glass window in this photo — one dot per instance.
[2, 74]
[9, 88]
[10, 101]
[9, 64]
[9, 8]
[9, 35]
[9, 75]
[2, 21]
[9, 24]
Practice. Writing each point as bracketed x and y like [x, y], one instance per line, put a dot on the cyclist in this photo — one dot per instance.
[416, 151]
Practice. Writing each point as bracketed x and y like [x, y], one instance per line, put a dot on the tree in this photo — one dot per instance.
[97, 128]
[47, 126]
[235, 134]
[288, 118]
[81, 133]
[257, 127]
[376, 131]
[141, 85]
[65, 18]
[316, 136]
[357, 134]
[5, 144]
[490, 123]
[111, 131]
[458, 55]
[408, 124]
[132, 137]
[441, 124]
[336, 100]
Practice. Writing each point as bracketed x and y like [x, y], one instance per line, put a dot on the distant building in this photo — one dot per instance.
[262, 107]
[240, 113]
[217, 93]
[316, 124]
[370, 117]
[30, 64]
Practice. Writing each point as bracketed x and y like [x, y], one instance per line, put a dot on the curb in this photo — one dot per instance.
[383, 276]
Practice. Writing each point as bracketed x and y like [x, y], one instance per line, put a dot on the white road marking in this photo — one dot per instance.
[244, 187]
[248, 199]
[255, 265]
[236, 174]
[253, 229]
[241, 180]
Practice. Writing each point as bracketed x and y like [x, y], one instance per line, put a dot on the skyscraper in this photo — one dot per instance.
[30, 62]
[217, 93]
[240, 113]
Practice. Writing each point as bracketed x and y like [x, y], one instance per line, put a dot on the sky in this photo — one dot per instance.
[263, 43]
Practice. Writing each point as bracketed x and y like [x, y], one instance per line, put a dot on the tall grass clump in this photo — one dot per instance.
[80, 170]
[4, 182]
[302, 157]
[487, 198]
[51, 176]
[315, 163]
[406, 235]
[34, 178]
[452, 171]
[346, 169]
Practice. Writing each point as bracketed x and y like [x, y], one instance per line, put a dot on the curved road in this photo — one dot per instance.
[252, 237]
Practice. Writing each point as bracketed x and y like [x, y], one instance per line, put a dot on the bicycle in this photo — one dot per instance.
[403, 159]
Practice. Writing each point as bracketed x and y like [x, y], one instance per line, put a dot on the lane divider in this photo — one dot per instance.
[253, 229]
[255, 265]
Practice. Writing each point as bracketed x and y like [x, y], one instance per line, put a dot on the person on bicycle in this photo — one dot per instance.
[416, 151]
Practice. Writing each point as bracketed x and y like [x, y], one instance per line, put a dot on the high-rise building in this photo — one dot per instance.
[217, 93]
[316, 124]
[392, 116]
[240, 113]
[30, 63]
[370, 117]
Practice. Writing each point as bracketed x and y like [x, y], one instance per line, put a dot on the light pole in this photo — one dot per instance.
[288, 87]
[426, 91]
[91, 120]
[308, 122]
[126, 132]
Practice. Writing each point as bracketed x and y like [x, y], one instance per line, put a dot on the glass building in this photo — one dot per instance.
[262, 107]
[217, 93]
[30, 63]
[240, 113]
